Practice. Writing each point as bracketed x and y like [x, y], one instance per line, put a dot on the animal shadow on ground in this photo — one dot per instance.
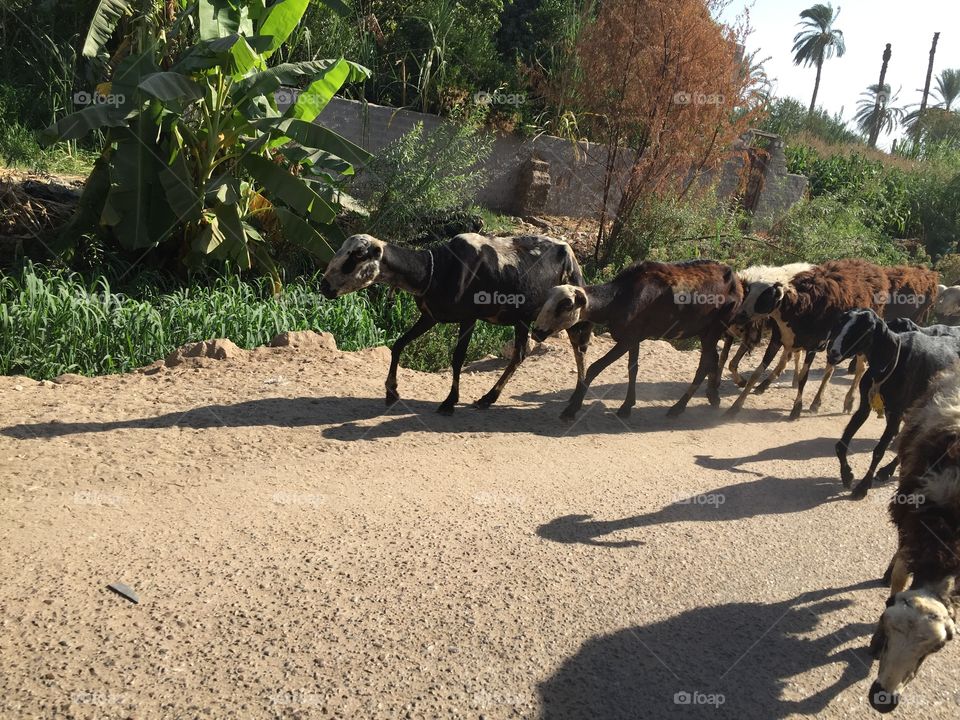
[763, 496]
[347, 418]
[745, 653]
[800, 450]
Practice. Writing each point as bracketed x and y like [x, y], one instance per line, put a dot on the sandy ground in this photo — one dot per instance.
[299, 551]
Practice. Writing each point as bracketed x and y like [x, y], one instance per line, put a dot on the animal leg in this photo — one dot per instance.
[796, 370]
[892, 428]
[818, 398]
[899, 575]
[422, 325]
[739, 379]
[768, 356]
[520, 334]
[633, 359]
[843, 444]
[725, 352]
[597, 367]
[858, 373]
[707, 364]
[804, 374]
[777, 371]
[886, 472]
[579, 336]
[459, 355]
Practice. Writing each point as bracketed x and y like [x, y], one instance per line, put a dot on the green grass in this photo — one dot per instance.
[53, 322]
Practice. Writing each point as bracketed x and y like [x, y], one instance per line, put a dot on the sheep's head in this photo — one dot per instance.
[760, 299]
[562, 309]
[916, 624]
[355, 266]
[852, 334]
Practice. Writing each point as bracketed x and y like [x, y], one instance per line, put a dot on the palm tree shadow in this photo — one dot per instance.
[734, 660]
[766, 495]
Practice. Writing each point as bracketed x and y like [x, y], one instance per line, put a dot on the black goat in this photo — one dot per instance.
[907, 325]
[900, 369]
[500, 280]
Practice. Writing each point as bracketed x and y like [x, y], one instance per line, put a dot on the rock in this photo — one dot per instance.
[218, 349]
[507, 350]
[533, 187]
[305, 339]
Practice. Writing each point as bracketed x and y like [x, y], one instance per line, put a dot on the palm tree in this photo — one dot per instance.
[948, 88]
[876, 112]
[818, 41]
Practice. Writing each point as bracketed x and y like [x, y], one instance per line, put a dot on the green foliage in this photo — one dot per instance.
[949, 268]
[199, 160]
[52, 322]
[426, 173]
[789, 117]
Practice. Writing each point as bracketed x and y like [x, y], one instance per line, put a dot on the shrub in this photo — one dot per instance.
[949, 268]
[426, 173]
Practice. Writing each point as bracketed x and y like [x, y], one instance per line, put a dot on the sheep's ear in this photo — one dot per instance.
[374, 252]
[944, 589]
[579, 298]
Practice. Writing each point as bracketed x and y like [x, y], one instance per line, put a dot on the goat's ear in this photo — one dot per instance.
[579, 298]
[374, 252]
[944, 589]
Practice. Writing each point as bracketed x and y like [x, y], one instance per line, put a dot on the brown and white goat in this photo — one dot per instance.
[806, 310]
[503, 281]
[697, 298]
[926, 511]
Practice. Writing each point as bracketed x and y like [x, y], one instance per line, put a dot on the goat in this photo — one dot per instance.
[907, 325]
[920, 620]
[500, 280]
[697, 298]
[901, 367]
[754, 278]
[805, 310]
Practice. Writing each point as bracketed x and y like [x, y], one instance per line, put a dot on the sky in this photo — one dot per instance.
[867, 26]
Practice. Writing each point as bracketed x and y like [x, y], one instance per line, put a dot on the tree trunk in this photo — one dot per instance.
[875, 130]
[816, 88]
[926, 88]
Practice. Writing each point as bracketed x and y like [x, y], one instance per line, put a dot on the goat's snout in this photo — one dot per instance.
[327, 291]
[539, 334]
[881, 700]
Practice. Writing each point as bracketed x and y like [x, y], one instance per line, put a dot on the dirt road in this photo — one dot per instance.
[299, 551]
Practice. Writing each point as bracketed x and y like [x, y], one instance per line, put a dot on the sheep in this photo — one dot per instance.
[805, 310]
[920, 620]
[697, 298]
[947, 307]
[750, 334]
[500, 280]
[900, 368]
[912, 292]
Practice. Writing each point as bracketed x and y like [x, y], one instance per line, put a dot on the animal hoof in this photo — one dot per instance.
[568, 415]
[847, 406]
[714, 399]
[445, 409]
[675, 411]
[732, 411]
[815, 408]
[484, 402]
[760, 389]
[392, 397]
[624, 411]
[795, 413]
[859, 492]
[740, 382]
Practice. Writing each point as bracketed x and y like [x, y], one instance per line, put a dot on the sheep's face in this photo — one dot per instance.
[355, 266]
[916, 624]
[760, 299]
[851, 335]
[561, 310]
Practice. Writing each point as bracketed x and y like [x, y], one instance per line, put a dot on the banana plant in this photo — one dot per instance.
[199, 158]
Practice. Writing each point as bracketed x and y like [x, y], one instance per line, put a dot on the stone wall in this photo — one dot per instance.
[547, 174]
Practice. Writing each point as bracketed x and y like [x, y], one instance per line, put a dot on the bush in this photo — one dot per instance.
[426, 173]
[949, 268]
[52, 322]
[789, 118]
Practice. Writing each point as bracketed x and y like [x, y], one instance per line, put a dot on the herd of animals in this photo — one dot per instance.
[852, 309]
